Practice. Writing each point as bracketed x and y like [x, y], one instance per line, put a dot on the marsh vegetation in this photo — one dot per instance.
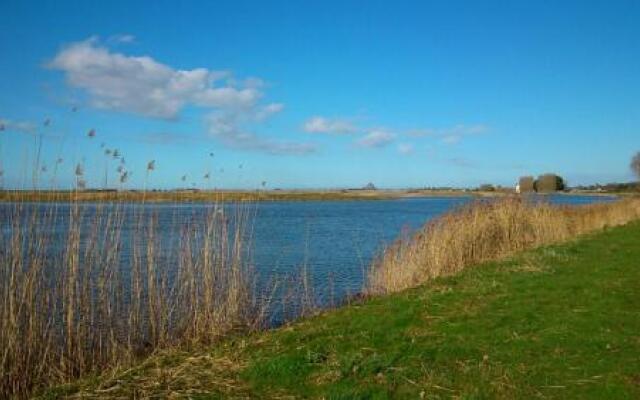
[96, 280]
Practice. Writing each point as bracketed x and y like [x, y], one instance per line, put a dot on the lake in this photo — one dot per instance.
[337, 240]
[333, 241]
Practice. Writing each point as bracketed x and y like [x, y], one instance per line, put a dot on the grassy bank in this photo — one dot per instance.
[558, 322]
[489, 230]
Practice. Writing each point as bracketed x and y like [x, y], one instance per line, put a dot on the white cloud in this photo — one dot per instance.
[327, 125]
[376, 138]
[228, 128]
[144, 86]
[405, 148]
[122, 38]
[451, 139]
[17, 126]
[451, 135]
[267, 111]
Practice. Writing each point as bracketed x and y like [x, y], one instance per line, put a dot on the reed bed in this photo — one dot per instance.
[90, 279]
[488, 230]
[85, 288]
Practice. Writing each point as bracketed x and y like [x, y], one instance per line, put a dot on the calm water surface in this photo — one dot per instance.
[337, 240]
[334, 240]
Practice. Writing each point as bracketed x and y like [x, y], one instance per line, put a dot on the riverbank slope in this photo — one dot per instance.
[561, 321]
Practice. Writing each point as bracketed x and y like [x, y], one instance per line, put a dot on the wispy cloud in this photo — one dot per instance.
[451, 135]
[319, 124]
[7, 125]
[405, 148]
[231, 130]
[462, 162]
[376, 138]
[122, 38]
[267, 111]
[451, 139]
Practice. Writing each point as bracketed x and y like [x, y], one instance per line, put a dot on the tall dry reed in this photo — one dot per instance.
[488, 230]
[83, 288]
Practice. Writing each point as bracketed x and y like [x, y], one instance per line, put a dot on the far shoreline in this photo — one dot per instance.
[201, 196]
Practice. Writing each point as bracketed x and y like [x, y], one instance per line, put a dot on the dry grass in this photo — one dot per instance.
[226, 195]
[96, 292]
[170, 374]
[488, 230]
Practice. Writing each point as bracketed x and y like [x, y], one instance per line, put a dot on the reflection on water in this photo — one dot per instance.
[333, 241]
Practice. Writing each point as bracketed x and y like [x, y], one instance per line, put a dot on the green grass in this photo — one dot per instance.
[557, 322]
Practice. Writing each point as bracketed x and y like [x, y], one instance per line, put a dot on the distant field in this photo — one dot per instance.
[226, 195]
[250, 195]
[561, 322]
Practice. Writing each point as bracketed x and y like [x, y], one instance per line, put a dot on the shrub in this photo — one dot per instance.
[635, 165]
[527, 184]
[549, 183]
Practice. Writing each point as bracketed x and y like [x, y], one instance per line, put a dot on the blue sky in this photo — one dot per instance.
[322, 94]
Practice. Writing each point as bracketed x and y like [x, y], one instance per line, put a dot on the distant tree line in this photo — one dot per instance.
[634, 165]
[611, 187]
[488, 187]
